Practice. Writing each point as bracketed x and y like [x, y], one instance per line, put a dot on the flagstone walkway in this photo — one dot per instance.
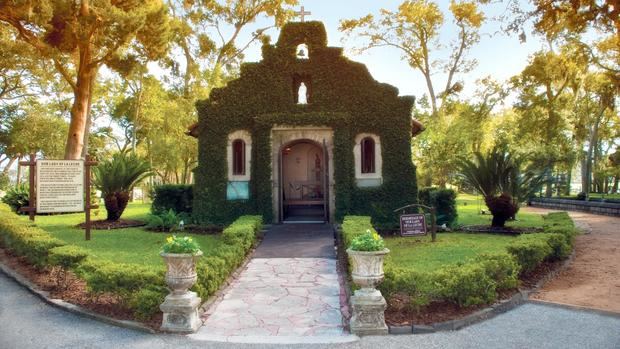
[282, 300]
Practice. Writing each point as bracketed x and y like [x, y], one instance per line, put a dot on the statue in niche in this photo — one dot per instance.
[302, 94]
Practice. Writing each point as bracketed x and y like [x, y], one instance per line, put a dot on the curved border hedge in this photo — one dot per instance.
[142, 288]
[477, 280]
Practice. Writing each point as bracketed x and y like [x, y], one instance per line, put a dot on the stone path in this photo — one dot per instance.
[592, 280]
[28, 323]
[283, 300]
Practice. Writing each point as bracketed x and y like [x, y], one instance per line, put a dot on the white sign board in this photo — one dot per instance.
[60, 186]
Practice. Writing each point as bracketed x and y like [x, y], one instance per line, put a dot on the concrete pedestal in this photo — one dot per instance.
[181, 313]
[368, 313]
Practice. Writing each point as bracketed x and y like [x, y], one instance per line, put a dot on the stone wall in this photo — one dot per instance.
[601, 208]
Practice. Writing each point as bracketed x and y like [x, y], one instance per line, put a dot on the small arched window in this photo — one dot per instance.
[368, 155]
[238, 157]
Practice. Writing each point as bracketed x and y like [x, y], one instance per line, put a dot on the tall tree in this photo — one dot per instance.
[77, 38]
[414, 30]
[207, 35]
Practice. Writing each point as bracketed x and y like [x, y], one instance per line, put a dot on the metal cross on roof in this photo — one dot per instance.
[302, 14]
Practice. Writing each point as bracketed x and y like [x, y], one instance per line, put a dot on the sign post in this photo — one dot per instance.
[31, 209]
[87, 206]
[60, 186]
[412, 224]
[415, 224]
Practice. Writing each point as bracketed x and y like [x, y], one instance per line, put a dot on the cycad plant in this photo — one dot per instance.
[116, 177]
[501, 181]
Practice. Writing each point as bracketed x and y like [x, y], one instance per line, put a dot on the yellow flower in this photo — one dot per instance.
[190, 239]
[376, 236]
[169, 239]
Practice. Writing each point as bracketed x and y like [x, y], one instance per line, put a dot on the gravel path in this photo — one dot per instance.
[28, 323]
[593, 278]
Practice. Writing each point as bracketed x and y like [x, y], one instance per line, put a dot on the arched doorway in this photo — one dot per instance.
[303, 184]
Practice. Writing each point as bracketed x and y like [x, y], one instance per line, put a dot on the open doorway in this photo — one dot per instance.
[303, 185]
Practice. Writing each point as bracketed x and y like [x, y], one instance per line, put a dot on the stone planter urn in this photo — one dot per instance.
[367, 303]
[180, 307]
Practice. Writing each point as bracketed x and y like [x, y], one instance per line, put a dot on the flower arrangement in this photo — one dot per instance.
[368, 241]
[177, 244]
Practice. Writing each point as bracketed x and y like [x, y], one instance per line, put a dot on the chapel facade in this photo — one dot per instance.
[305, 135]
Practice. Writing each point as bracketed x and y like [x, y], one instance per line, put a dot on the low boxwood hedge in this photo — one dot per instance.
[477, 280]
[25, 239]
[140, 288]
[213, 270]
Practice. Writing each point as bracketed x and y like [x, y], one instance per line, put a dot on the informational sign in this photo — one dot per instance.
[412, 225]
[60, 186]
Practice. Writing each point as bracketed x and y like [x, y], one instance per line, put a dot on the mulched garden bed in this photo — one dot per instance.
[75, 290]
[400, 313]
[103, 224]
[498, 230]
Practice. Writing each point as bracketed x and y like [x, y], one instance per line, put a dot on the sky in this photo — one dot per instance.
[499, 55]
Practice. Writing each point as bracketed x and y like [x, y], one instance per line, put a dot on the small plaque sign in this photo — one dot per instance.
[412, 224]
[60, 186]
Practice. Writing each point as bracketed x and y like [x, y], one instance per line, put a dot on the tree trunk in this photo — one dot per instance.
[88, 116]
[569, 178]
[590, 155]
[19, 171]
[79, 115]
[7, 168]
[115, 205]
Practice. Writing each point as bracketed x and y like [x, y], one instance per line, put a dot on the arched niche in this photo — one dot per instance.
[302, 52]
[302, 82]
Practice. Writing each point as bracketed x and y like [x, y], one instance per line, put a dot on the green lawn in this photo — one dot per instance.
[131, 245]
[424, 255]
[420, 253]
[469, 206]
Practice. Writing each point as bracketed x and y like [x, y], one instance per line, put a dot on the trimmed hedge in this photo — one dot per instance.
[213, 270]
[444, 200]
[140, 288]
[25, 239]
[175, 197]
[477, 280]
[67, 257]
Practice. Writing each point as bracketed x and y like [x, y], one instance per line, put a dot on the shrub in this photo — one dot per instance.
[117, 278]
[67, 257]
[353, 226]
[465, 285]
[581, 196]
[416, 285]
[17, 197]
[502, 208]
[501, 268]
[145, 302]
[5, 181]
[178, 244]
[213, 270]
[163, 221]
[368, 241]
[28, 241]
[444, 200]
[529, 251]
[176, 197]
[116, 177]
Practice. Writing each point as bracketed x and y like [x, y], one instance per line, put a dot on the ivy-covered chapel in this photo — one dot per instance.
[305, 135]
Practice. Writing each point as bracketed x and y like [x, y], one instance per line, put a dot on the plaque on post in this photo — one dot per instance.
[412, 224]
[60, 186]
